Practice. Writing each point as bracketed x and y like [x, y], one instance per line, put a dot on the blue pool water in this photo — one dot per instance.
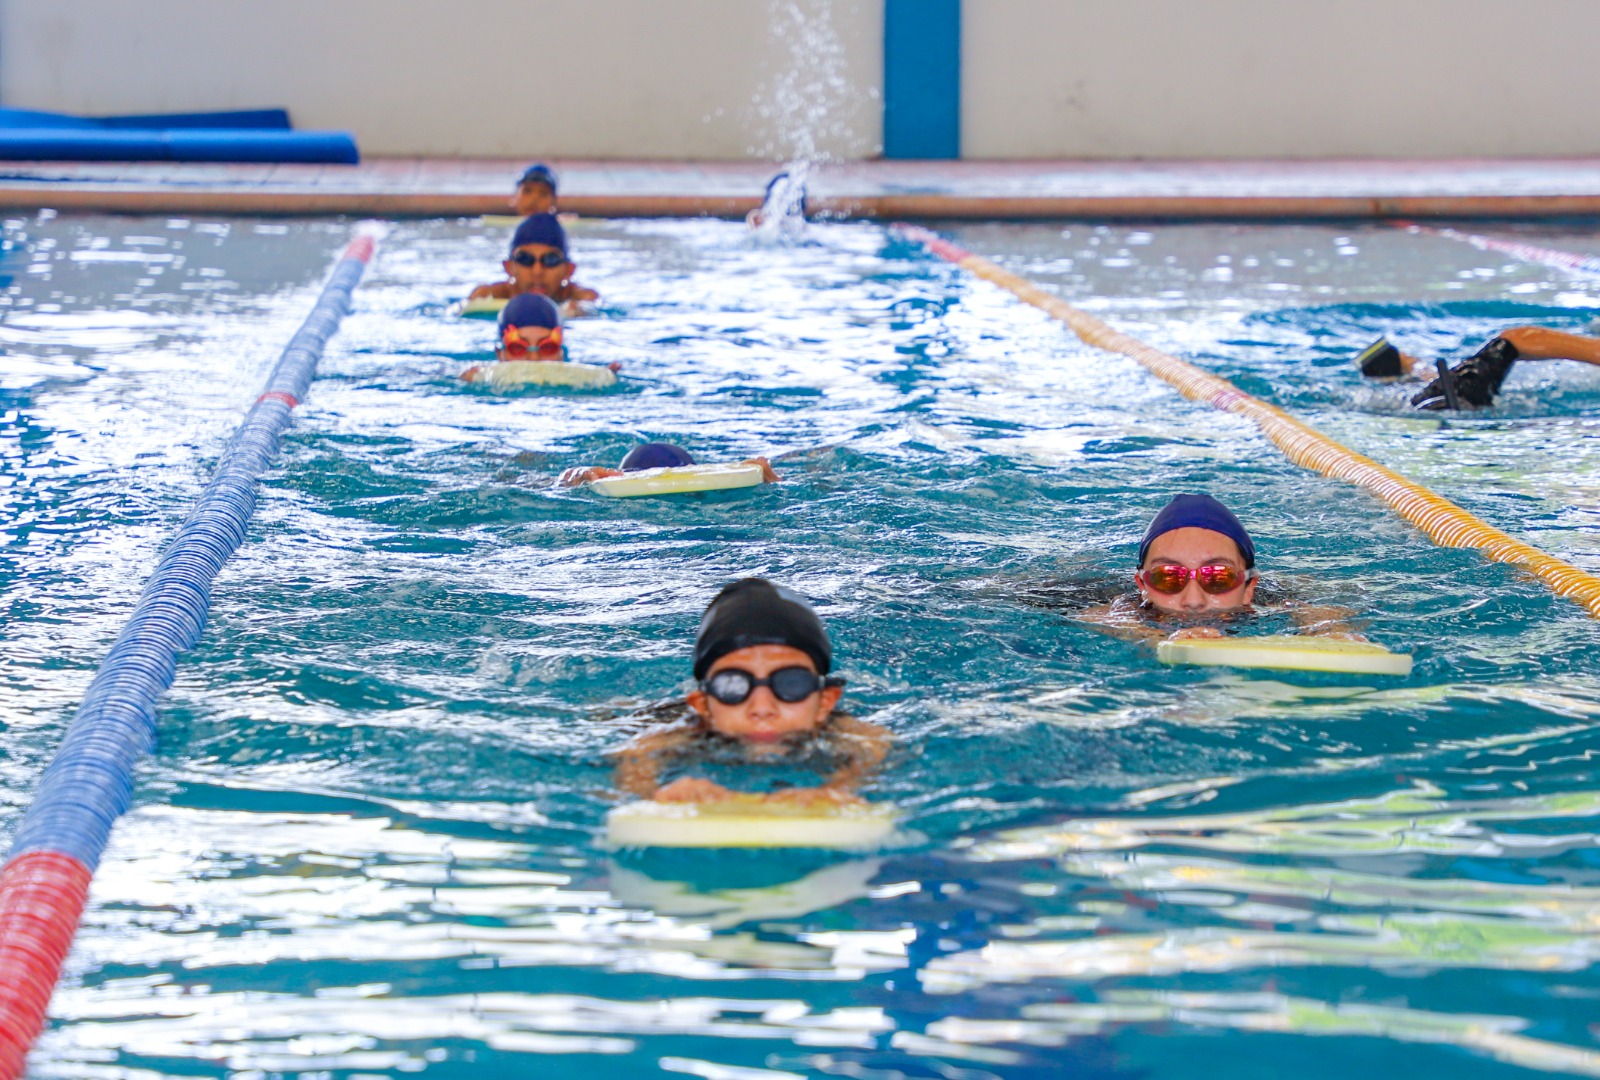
[369, 844]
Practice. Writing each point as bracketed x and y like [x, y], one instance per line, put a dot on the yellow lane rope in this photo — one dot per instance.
[1442, 520]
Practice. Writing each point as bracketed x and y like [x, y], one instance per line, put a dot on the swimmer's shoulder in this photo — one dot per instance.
[499, 290]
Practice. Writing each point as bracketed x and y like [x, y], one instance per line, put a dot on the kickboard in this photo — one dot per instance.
[507, 374]
[499, 221]
[677, 479]
[748, 821]
[1288, 653]
[484, 307]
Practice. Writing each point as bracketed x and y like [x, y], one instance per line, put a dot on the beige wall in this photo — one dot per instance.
[1269, 78]
[719, 79]
[701, 79]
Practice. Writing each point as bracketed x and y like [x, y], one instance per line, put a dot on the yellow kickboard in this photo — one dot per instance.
[749, 821]
[677, 479]
[1287, 652]
[484, 307]
[509, 374]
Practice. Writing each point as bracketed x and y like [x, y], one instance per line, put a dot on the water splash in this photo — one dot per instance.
[804, 107]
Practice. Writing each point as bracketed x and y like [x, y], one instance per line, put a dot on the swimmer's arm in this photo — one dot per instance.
[1540, 343]
[863, 745]
[1109, 619]
[767, 474]
[582, 294]
[575, 477]
[500, 290]
[638, 769]
[1326, 620]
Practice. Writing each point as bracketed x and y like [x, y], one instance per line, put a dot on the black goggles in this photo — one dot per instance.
[791, 684]
[550, 259]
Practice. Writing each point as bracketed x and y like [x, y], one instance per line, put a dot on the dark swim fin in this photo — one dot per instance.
[1380, 360]
[1474, 382]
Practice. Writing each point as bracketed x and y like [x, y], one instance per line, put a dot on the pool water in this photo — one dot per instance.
[370, 843]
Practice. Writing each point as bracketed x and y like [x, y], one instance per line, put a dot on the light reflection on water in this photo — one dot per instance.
[369, 845]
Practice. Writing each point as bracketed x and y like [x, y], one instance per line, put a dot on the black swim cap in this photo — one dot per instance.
[754, 611]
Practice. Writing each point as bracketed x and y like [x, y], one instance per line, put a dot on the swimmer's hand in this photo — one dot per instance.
[767, 475]
[814, 797]
[1189, 633]
[575, 477]
[692, 789]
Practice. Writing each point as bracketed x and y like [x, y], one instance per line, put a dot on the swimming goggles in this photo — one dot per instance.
[514, 346]
[731, 686]
[1172, 578]
[550, 259]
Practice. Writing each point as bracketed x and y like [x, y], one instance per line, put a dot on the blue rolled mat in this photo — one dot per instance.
[217, 145]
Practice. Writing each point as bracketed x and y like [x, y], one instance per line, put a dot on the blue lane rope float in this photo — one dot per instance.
[89, 784]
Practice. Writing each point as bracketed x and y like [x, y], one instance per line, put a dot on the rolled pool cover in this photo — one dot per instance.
[89, 783]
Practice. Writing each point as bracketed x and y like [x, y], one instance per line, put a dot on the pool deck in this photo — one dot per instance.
[984, 190]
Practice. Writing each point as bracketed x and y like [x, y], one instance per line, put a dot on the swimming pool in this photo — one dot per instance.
[368, 844]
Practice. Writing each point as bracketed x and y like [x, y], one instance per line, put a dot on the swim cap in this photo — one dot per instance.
[540, 229]
[1199, 512]
[541, 173]
[796, 188]
[754, 611]
[530, 309]
[655, 455]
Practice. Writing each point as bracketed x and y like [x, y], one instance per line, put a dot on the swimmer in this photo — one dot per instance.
[530, 329]
[651, 456]
[538, 263]
[1197, 566]
[1476, 380]
[761, 663]
[789, 206]
[535, 192]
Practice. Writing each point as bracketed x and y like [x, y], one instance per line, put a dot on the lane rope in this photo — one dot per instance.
[1566, 260]
[89, 783]
[1445, 523]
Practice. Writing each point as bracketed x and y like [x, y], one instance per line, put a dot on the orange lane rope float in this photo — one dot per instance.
[1445, 523]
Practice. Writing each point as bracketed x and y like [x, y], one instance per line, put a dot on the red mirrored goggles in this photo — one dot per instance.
[1172, 578]
[517, 348]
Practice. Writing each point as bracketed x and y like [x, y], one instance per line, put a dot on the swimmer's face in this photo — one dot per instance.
[539, 278]
[533, 197]
[1194, 548]
[530, 334]
[761, 721]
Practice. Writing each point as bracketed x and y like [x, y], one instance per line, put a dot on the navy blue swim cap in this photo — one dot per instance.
[655, 455]
[540, 229]
[530, 309]
[754, 611]
[794, 204]
[1199, 512]
[538, 172]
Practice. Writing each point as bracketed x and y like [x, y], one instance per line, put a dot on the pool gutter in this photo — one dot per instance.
[877, 190]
